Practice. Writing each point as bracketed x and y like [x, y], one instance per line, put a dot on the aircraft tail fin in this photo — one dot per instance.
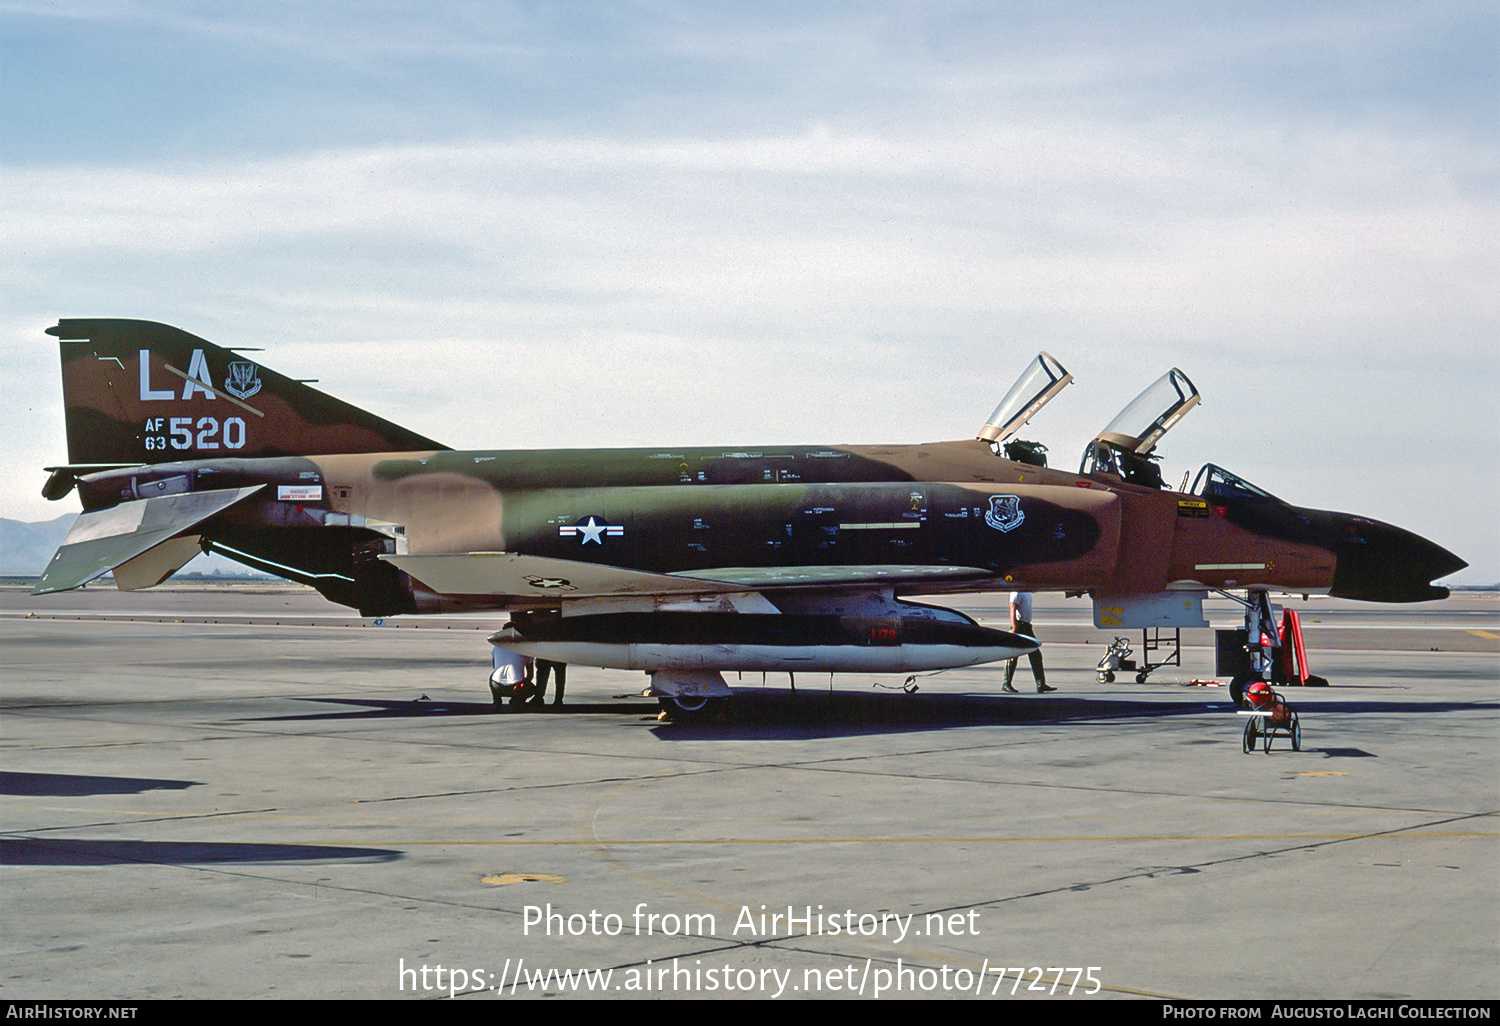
[139, 392]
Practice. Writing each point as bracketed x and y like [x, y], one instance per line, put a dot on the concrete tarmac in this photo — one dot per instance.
[232, 792]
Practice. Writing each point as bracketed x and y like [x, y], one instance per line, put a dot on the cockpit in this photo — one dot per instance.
[1042, 379]
[1123, 451]
[1214, 482]
[1123, 448]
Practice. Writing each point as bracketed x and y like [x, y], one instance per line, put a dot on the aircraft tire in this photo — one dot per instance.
[1296, 733]
[1237, 688]
[688, 708]
[1106, 677]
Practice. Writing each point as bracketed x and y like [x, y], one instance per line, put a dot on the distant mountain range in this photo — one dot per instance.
[26, 548]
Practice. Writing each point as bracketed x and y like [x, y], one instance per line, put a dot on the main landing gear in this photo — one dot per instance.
[688, 696]
[689, 708]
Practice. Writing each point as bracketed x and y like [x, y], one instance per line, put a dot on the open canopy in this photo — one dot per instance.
[1139, 426]
[1042, 379]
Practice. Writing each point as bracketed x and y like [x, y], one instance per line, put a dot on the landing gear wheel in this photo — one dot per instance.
[1140, 678]
[1237, 688]
[1249, 742]
[1106, 677]
[1296, 734]
[687, 708]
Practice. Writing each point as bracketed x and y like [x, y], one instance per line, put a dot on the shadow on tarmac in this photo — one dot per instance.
[771, 713]
[70, 785]
[839, 712]
[67, 851]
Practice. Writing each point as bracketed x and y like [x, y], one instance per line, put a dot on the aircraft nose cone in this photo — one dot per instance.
[1380, 563]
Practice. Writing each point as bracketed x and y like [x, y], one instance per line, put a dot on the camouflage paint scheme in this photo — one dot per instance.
[173, 438]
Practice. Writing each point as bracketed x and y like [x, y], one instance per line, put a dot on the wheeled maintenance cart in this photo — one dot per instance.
[1153, 639]
[1270, 716]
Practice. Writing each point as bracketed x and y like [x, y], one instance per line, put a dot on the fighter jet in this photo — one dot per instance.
[682, 562]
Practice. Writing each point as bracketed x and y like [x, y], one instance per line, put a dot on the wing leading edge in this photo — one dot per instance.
[513, 574]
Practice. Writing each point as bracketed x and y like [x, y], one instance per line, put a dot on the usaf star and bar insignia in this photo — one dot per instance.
[592, 530]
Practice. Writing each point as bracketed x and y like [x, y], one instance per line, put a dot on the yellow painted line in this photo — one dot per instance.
[960, 840]
[1487, 634]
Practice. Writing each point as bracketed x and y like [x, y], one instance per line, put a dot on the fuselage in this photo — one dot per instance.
[328, 519]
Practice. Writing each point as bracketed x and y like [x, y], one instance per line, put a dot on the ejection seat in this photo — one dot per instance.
[1038, 384]
[1122, 451]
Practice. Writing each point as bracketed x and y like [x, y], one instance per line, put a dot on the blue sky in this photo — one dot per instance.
[573, 224]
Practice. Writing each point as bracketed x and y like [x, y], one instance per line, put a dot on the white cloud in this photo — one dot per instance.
[873, 262]
[1133, 231]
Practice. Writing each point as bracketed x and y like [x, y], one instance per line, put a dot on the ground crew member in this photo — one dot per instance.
[510, 677]
[544, 668]
[1020, 623]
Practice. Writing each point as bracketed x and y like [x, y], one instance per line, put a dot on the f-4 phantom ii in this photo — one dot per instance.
[682, 562]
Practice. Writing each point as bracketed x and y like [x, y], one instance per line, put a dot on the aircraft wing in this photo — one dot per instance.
[138, 539]
[510, 573]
